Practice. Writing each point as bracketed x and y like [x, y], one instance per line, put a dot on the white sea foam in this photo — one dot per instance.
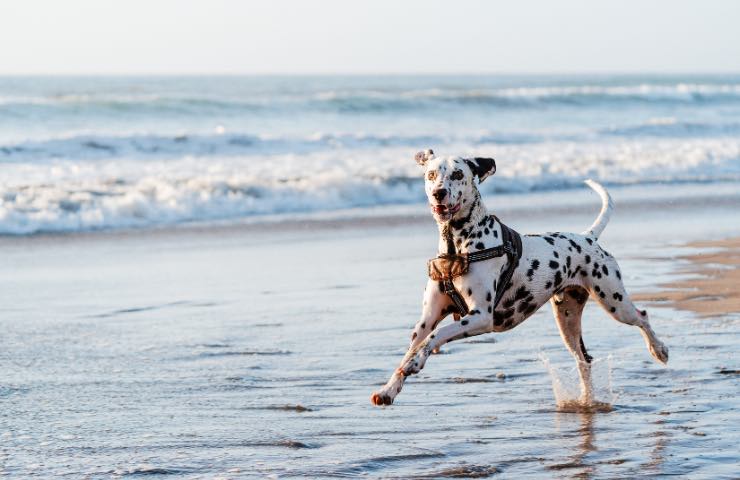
[73, 195]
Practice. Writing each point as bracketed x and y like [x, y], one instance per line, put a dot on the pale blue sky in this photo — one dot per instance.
[359, 36]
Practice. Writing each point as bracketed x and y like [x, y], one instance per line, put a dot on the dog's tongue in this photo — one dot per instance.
[439, 208]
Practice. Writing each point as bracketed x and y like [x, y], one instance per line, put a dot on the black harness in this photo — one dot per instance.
[444, 268]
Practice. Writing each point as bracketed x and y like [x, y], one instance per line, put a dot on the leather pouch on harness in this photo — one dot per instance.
[447, 267]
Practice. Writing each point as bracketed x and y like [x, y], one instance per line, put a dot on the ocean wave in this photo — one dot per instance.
[68, 195]
[368, 99]
[223, 144]
[672, 127]
[147, 146]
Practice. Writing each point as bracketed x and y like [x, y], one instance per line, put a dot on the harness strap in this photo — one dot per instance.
[514, 240]
[511, 247]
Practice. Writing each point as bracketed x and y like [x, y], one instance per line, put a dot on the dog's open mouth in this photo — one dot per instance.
[444, 210]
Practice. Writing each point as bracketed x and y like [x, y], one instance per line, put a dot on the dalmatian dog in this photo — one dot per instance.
[565, 268]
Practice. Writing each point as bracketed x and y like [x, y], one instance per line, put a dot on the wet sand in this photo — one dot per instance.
[711, 286]
[252, 353]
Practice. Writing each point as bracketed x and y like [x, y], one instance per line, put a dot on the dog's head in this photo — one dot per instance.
[451, 182]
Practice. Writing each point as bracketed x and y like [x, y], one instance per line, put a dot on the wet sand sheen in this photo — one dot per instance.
[714, 288]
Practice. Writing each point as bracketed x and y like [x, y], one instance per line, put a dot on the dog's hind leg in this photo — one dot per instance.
[568, 307]
[607, 289]
[624, 311]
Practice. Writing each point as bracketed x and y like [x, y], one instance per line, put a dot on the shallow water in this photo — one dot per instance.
[254, 355]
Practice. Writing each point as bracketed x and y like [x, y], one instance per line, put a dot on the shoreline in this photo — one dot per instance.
[712, 286]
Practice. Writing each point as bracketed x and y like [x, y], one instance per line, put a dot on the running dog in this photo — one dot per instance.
[491, 279]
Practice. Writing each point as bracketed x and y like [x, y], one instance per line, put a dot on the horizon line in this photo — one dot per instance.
[369, 73]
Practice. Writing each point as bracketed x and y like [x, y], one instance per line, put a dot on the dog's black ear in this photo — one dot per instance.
[482, 167]
[424, 156]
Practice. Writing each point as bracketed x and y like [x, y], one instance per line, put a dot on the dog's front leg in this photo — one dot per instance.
[475, 323]
[436, 306]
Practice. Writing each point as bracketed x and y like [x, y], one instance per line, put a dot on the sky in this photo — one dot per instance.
[368, 37]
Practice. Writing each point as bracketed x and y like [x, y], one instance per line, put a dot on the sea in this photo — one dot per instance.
[102, 153]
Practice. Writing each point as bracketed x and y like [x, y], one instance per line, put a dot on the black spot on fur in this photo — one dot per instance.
[470, 292]
[590, 242]
[555, 254]
[464, 322]
[602, 294]
[619, 275]
[423, 325]
[521, 293]
[558, 278]
[613, 309]
[530, 308]
[490, 309]
[480, 246]
[597, 288]
[474, 312]
[578, 294]
[617, 296]
[548, 285]
[587, 259]
[586, 356]
[554, 265]
[550, 240]
[575, 245]
[605, 270]
[488, 297]
[495, 234]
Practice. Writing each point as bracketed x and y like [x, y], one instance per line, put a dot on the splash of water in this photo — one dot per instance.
[566, 387]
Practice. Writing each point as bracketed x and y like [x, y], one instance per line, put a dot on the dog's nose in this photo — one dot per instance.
[440, 194]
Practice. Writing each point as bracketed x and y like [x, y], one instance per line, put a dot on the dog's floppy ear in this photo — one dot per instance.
[482, 167]
[424, 156]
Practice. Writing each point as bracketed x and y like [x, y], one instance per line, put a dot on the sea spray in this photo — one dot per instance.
[566, 386]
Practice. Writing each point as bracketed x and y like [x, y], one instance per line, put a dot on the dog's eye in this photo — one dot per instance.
[431, 175]
[457, 175]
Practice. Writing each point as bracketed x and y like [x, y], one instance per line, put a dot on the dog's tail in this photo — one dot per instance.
[606, 209]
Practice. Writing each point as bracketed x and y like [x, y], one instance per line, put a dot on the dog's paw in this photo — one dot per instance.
[380, 399]
[660, 352]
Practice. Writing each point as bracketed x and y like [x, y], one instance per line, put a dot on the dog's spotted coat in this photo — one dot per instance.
[565, 268]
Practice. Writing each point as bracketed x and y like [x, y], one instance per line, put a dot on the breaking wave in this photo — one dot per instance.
[67, 195]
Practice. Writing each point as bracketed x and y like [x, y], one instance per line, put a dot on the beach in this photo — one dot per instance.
[208, 276]
[250, 350]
